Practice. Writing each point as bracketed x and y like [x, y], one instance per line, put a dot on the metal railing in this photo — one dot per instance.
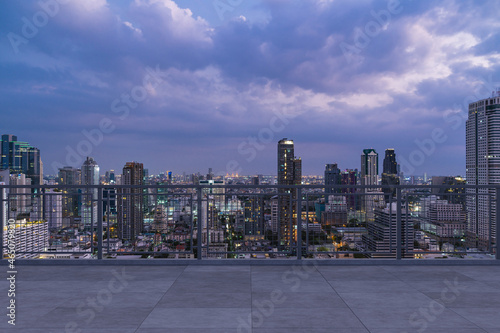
[293, 222]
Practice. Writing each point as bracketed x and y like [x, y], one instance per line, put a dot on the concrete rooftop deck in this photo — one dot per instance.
[259, 299]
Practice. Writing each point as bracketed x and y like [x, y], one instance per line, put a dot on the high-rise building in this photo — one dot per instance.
[109, 177]
[30, 236]
[53, 208]
[20, 199]
[335, 211]
[482, 162]
[285, 162]
[454, 195]
[332, 178]
[213, 200]
[350, 177]
[381, 237]
[289, 173]
[69, 176]
[20, 157]
[390, 164]
[369, 167]
[369, 176]
[90, 176]
[445, 221]
[390, 173]
[70, 196]
[130, 215]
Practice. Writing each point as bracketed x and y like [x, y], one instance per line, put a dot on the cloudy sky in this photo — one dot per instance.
[192, 84]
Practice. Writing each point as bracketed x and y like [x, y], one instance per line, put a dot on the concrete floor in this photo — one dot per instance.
[260, 299]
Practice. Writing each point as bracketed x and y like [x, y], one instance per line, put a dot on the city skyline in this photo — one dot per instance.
[187, 85]
[95, 171]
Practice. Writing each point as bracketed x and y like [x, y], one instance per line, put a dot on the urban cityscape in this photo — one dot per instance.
[344, 213]
[263, 166]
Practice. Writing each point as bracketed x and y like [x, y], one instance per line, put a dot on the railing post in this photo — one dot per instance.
[199, 226]
[399, 225]
[299, 223]
[497, 224]
[99, 223]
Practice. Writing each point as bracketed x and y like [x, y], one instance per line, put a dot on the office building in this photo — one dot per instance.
[53, 208]
[369, 167]
[109, 177]
[381, 236]
[90, 176]
[350, 177]
[369, 176]
[213, 201]
[21, 157]
[254, 216]
[332, 178]
[130, 214]
[390, 174]
[335, 211]
[482, 162]
[31, 238]
[444, 222]
[20, 199]
[70, 196]
[390, 166]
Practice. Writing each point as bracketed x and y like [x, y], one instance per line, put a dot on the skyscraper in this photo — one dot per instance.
[20, 199]
[90, 176]
[213, 200]
[390, 173]
[286, 158]
[369, 167]
[369, 176]
[482, 162]
[110, 177]
[53, 208]
[332, 178]
[390, 164]
[289, 173]
[71, 198]
[350, 177]
[20, 157]
[130, 202]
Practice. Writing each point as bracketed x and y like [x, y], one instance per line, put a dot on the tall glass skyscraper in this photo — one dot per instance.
[482, 162]
[21, 157]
